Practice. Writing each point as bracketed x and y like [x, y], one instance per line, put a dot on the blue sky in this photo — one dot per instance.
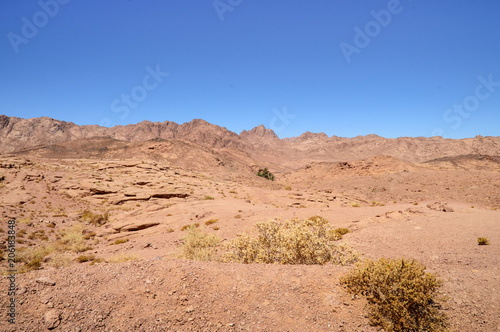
[346, 68]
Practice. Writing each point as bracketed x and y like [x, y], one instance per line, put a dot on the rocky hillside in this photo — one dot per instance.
[259, 145]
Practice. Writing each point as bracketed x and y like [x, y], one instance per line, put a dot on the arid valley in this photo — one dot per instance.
[130, 193]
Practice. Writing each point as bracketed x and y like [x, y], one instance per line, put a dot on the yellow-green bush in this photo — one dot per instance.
[32, 257]
[311, 241]
[72, 239]
[93, 218]
[401, 295]
[199, 245]
[482, 241]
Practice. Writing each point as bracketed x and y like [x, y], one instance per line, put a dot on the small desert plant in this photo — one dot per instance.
[199, 245]
[24, 221]
[482, 241]
[85, 258]
[89, 235]
[311, 241]
[288, 187]
[342, 231]
[355, 205]
[122, 258]
[185, 227]
[170, 230]
[32, 257]
[60, 260]
[211, 221]
[96, 219]
[120, 241]
[72, 239]
[207, 198]
[264, 172]
[401, 295]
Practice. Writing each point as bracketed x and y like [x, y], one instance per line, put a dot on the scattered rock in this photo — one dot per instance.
[45, 281]
[52, 319]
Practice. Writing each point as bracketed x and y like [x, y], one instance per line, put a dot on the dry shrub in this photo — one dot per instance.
[122, 258]
[85, 258]
[311, 241]
[72, 239]
[342, 231]
[120, 241]
[199, 245]
[60, 260]
[211, 221]
[32, 257]
[95, 219]
[482, 241]
[401, 296]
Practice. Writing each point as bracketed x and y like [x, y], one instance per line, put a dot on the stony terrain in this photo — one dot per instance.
[431, 209]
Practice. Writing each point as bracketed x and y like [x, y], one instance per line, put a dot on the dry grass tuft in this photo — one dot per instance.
[122, 258]
[72, 239]
[482, 241]
[95, 219]
[211, 221]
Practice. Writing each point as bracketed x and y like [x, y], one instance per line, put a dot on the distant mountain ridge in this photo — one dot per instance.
[261, 143]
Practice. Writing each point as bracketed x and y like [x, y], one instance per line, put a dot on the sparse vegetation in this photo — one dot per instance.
[342, 231]
[310, 241]
[208, 197]
[185, 227]
[199, 245]
[72, 239]
[288, 187]
[482, 241]
[85, 258]
[120, 241]
[32, 257]
[401, 296]
[211, 221]
[95, 219]
[264, 172]
[170, 230]
[122, 258]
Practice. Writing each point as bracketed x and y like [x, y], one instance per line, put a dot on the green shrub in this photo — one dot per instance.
[482, 241]
[264, 172]
[311, 241]
[199, 245]
[401, 296]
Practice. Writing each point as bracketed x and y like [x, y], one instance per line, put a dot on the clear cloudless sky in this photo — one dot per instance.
[430, 68]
